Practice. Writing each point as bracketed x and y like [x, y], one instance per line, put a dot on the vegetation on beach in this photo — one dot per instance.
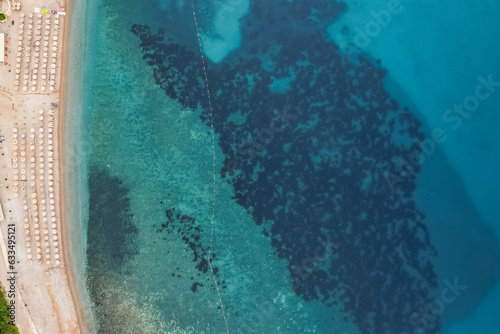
[5, 327]
[2, 16]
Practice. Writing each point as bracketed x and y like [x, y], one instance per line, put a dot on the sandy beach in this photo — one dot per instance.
[31, 192]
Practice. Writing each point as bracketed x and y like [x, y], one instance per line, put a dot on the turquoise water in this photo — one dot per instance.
[297, 198]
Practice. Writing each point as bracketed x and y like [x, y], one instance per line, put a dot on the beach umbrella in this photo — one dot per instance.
[54, 54]
[52, 88]
[47, 32]
[18, 65]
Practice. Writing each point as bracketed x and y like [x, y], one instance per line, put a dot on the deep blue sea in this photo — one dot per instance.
[318, 166]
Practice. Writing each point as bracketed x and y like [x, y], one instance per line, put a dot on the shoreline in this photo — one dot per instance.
[77, 301]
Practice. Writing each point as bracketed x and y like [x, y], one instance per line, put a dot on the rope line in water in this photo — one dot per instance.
[214, 169]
